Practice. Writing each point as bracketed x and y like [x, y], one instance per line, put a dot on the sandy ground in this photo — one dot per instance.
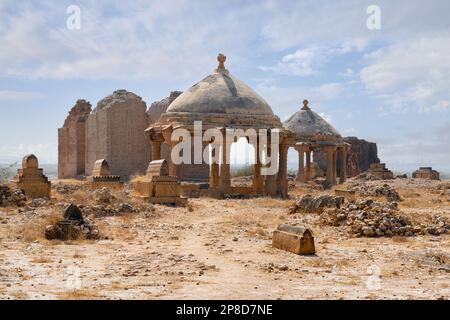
[221, 249]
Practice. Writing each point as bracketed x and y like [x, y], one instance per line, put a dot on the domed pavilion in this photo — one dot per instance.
[313, 134]
[222, 101]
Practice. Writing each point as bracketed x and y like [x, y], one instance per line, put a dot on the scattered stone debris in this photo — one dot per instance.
[298, 240]
[316, 204]
[72, 227]
[125, 207]
[102, 195]
[444, 188]
[65, 189]
[10, 196]
[322, 183]
[377, 219]
[38, 202]
[367, 190]
[102, 210]
[365, 176]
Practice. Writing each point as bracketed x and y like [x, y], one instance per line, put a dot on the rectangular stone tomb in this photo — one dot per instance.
[102, 176]
[380, 171]
[426, 173]
[293, 239]
[158, 187]
[31, 179]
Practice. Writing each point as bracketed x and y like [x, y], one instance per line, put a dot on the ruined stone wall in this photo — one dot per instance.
[367, 152]
[72, 141]
[361, 155]
[157, 108]
[116, 132]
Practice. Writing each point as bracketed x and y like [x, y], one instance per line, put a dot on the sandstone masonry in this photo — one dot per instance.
[72, 141]
[115, 132]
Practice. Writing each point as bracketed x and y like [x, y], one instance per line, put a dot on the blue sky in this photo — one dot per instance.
[390, 85]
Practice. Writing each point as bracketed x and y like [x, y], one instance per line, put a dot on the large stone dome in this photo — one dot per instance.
[220, 100]
[308, 125]
[221, 93]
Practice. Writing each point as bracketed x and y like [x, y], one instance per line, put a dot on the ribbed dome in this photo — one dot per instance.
[306, 124]
[221, 93]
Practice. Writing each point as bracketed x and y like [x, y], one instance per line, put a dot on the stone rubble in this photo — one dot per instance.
[66, 189]
[316, 204]
[377, 219]
[366, 190]
[102, 195]
[9, 196]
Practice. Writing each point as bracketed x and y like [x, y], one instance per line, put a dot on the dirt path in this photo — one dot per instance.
[228, 280]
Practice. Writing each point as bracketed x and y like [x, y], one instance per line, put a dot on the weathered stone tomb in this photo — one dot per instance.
[31, 179]
[102, 177]
[426, 173]
[298, 240]
[157, 186]
[380, 171]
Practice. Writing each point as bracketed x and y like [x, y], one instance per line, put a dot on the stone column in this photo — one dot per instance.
[308, 173]
[270, 183]
[330, 167]
[225, 179]
[173, 168]
[334, 166]
[156, 149]
[258, 179]
[214, 175]
[282, 171]
[343, 171]
[301, 170]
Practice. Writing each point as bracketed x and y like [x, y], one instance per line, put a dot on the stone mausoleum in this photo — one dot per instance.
[123, 132]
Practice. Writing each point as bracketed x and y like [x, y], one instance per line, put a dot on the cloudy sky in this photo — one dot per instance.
[390, 85]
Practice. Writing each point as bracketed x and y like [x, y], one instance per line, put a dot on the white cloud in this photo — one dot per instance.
[140, 40]
[19, 95]
[308, 61]
[413, 74]
[303, 62]
[287, 100]
[329, 91]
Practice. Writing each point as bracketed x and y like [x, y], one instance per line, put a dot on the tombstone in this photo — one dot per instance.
[101, 168]
[426, 173]
[157, 186]
[298, 240]
[32, 180]
[73, 213]
[380, 171]
[102, 177]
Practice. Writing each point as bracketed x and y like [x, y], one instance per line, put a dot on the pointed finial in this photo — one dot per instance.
[305, 105]
[221, 58]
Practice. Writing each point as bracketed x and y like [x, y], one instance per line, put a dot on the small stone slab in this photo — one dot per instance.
[297, 240]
